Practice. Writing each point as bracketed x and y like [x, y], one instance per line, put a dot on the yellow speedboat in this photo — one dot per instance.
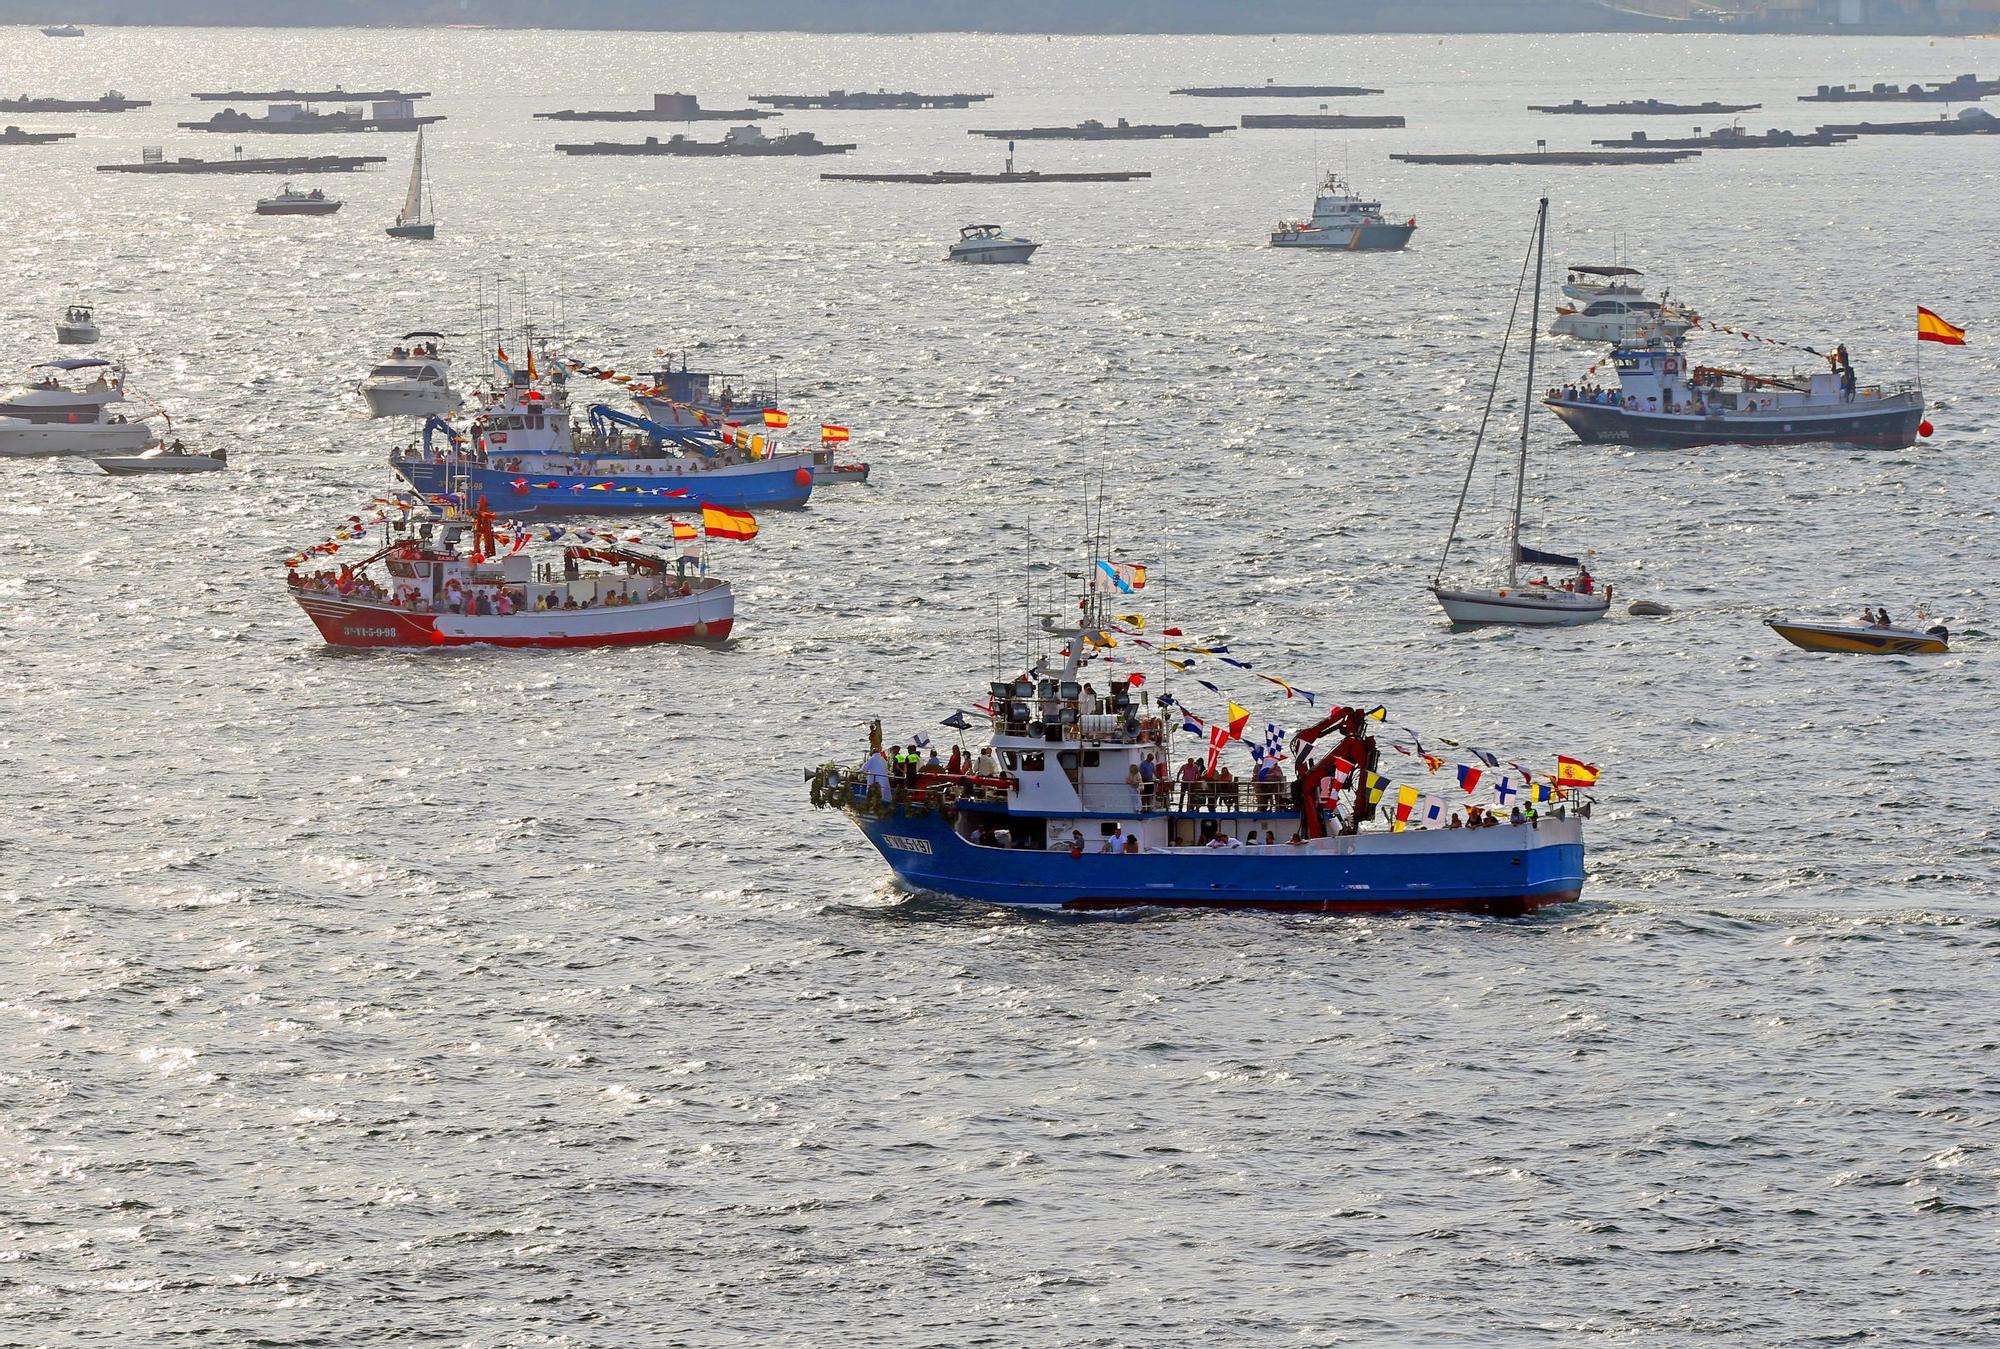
[1864, 638]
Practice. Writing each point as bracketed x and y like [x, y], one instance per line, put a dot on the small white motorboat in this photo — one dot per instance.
[291, 201]
[174, 458]
[985, 243]
[62, 30]
[76, 328]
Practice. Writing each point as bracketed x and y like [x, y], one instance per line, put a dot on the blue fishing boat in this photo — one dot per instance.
[700, 398]
[524, 453]
[1057, 813]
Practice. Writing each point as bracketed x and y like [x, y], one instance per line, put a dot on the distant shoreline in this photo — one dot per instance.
[1035, 18]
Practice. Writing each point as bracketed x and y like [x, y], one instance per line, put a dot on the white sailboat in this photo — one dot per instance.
[418, 218]
[1577, 598]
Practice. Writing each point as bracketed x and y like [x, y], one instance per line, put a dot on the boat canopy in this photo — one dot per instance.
[421, 332]
[1608, 271]
[1542, 559]
[74, 363]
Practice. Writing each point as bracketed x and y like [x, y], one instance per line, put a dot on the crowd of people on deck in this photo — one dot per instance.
[1695, 406]
[481, 600]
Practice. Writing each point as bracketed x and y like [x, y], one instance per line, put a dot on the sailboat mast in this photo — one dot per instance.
[1528, 397]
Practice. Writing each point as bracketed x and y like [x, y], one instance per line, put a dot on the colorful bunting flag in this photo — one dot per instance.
[1468, 777]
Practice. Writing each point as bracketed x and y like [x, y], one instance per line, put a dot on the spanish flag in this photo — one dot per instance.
[776, 419]
[719, 522]
[1574, 772]
[830, 434]
[683, 531]
[1931, 328]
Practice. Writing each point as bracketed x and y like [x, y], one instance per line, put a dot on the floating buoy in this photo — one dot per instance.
[1647, 609]
[805, 475]
[1924, 428]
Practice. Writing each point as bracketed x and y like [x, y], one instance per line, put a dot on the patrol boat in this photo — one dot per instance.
[1046, 828]
[1665, 401]
[1342, 220]
[526, 454]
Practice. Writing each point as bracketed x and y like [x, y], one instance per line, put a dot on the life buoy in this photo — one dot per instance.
[1671, 366]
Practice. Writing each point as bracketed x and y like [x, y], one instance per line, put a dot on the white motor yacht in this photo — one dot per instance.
[985, 243]
[415, 380]
[1619, 319]
[174, 458]
[76, 328]
[49, 417]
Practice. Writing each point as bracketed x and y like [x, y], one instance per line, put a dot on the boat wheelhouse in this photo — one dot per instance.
[701, 398]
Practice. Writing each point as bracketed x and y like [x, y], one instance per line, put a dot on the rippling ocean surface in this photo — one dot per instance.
[520, 999]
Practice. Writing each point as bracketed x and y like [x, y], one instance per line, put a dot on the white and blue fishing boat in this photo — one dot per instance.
[700, 398]
[524, 454]
[1055, 814]
[1665, 401]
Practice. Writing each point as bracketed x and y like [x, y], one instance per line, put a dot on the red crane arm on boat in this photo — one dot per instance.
[1355, 747]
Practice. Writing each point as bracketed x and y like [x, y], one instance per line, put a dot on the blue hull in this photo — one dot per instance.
[1508, 869]
[739, 487]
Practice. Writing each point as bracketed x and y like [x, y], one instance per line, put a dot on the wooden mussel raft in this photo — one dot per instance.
[1318, 121]
[880, 100]
[1645, 107]
[1729, 138]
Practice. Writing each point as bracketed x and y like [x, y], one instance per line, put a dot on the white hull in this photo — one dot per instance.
[422, 402]
[1611, 328]
[1012, 252]
[1521, 606]
[76, 334]
[48, 439]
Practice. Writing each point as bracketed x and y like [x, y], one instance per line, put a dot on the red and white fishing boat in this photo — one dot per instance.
[459, 581]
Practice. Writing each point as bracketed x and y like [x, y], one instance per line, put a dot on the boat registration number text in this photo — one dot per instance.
[905, 844]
